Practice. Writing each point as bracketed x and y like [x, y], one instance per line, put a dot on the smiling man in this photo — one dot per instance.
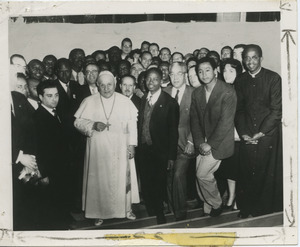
[258, 122]
[158, 138]
[212, 125]
[108, 119]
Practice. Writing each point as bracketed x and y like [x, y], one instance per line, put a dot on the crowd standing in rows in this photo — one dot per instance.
[100, 132]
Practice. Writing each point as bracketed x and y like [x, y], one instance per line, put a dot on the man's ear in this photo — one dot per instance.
[261, 59]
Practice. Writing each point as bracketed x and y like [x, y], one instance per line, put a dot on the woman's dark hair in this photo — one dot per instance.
[236, 64]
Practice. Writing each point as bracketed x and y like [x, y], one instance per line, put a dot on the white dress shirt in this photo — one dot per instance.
[154, 97]
[180, 94]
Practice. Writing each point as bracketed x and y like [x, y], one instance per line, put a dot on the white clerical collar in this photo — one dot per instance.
[154, 97]
[253, 75]
[50, 110]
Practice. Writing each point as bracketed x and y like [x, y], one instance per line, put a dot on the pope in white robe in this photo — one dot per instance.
[109, 120]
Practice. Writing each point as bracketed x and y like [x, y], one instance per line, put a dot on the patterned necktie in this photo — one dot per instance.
[55, 115]
[149, 100]
[68, 91]
[176, 96]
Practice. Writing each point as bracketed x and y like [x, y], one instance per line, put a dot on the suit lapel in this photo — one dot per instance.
[214, 94]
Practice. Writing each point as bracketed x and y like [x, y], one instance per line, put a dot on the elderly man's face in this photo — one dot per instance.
[165, 55]
[21, 87]
[36, 70]
[177, 76]
[64, 72]
[136, 69]
[19, 64]
[106, 85]
[128, 86]
[91, 74]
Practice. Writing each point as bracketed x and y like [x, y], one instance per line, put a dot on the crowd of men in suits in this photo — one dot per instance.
[187, 115]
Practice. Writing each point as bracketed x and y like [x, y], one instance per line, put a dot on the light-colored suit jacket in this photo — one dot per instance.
[213, 122]
[184, 129]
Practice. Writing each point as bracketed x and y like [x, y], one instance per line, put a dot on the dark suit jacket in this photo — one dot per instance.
[163, 125]
[136, 101]
[52, 148]
[214, 120]
[23, 134]
[83, 92]
[184, 116]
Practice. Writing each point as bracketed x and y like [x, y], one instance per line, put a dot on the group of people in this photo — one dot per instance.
[100, 132]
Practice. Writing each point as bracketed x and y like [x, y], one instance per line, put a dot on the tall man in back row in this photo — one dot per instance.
[258, 122]
[158, 138]
[212, 125]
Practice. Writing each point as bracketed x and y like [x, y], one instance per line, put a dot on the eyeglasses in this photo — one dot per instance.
[87, 72]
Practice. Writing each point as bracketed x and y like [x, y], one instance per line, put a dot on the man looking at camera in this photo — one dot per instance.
[108, 119]
[212, 125]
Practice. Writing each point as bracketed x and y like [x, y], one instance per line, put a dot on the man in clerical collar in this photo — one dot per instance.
[36, 69]
[49, 61]
[165, 54]
[164, 67]
[33, 97]
[77, 59]
[258, 123]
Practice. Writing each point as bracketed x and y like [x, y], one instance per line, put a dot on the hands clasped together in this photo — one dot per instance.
[254, 140]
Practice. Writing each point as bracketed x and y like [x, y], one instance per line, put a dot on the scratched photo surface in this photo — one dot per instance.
[34, 211]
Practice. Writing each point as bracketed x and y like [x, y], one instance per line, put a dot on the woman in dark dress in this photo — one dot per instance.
[231, 68]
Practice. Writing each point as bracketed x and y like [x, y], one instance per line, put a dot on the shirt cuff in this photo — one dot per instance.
[19, 156]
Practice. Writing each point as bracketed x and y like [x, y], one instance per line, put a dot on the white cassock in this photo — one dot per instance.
[108, 172]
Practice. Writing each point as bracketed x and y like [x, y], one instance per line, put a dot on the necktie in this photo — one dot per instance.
[55, 115]
[68, 91]
[149, 100]
[176, 96]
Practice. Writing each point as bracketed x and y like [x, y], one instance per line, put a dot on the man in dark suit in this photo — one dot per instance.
[158, 138]
[23, 156]
[68, 104]
[177, 188]
[53, 157]
[91, 72]
[128, 86]
[212, 125]
[77, 59]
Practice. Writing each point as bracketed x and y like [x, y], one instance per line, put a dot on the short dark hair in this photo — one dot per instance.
[95, 53]
[164, 63]
[126, 40]
[72, 52]
[209, 60]
[45, 84]
[50, 56]
[144, 52]
[15, 55]
[145, 42]
[130, 76]
[155, 70]
[191, 59]
[156, 60]
[155, 45]
[214, 53]
[35, 61]
[252, 46]
[165, 48]
[177, 52]
[236, 64]
[226, 47]
[102, 63]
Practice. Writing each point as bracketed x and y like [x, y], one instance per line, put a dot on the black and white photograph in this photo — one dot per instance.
[132, 121]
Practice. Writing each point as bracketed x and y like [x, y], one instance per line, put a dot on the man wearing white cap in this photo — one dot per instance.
[108, 119]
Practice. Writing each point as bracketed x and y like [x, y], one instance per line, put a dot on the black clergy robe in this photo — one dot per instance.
[260, 176]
